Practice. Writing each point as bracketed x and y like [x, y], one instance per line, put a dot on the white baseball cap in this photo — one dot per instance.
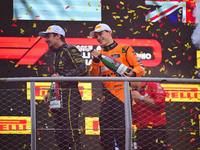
[100, 27]
[52, 29]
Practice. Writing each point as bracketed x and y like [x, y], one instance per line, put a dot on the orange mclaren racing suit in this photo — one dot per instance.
[112, 116]
[126, 55]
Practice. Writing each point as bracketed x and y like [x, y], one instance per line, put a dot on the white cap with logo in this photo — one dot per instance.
[99, 28]
[52, 29]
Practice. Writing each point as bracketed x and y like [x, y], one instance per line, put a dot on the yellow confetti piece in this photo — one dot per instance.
[131, 11]
[149, 72]
[192, 122]
[16, 66]
[49, 114]
[89, 4]
[121, 2]
[161, 141]
[36, 103]
[39, 139]
[24, 147]
[21, 31]
[44, 75]
[34, 25]
[29, 66]
[158, 29]
[174, 56]
[169, 49]
[183, 107]
[151, 23]
[27, 13]
[30, 8]
[119, 25]
[147, 28]
[143, 7]
[12, 62]
[107, 7]
[193, 133]
[72, 19]
[136, 32]
[162, 69]
[170, 63]
[126, 17]
[98, 99]
[163, 113]
[150, 127]
[166, 33]
[157, 140]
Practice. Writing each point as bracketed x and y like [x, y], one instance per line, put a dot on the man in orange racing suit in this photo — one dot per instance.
[112, 117]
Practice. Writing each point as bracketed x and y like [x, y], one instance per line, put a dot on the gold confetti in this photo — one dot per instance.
[147, 28]
[44, 75]
[121, 2]
[49, 114]
[21, 31]
[34, 25]
[143, 7]
[107, 7]
[166, 33]
[174, 56]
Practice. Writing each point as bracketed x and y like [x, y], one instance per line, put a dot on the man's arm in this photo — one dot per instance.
[134, 62]
[77, 60]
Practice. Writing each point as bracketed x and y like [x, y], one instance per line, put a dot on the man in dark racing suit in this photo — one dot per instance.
[68, 62]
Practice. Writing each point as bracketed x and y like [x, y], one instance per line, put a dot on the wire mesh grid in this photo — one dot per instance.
[180, 132]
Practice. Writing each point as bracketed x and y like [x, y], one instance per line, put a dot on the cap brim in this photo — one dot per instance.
[93, 32]
[42, 34]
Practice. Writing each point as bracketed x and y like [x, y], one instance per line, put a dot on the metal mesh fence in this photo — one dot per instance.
[100, 121]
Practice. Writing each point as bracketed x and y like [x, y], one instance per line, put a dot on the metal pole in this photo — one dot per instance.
[33, 117]
[128, 120]
[138, 79]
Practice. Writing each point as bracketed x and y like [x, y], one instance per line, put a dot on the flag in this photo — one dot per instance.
[176, 11]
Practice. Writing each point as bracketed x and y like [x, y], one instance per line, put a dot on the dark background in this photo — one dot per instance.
[124, 28]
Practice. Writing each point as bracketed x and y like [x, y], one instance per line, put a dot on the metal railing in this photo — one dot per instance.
[128, 120]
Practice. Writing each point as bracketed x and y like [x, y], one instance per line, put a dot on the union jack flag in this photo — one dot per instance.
[175, 10]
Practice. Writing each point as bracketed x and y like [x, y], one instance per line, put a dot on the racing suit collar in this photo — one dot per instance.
[58, 49]
[111, 46]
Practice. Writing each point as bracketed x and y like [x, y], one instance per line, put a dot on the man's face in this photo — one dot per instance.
[51, 40]
[104, 38]
[136, 85]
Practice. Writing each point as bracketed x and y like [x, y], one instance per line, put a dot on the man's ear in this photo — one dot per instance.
[58, 36]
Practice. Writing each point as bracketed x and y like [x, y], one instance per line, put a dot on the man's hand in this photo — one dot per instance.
[95, 53]
[135, 95]
[129, 74]
[47, 98]
[55, 75]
